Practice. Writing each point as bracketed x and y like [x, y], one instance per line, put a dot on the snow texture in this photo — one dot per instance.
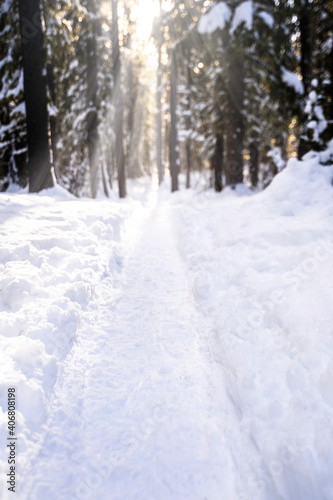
[267, 18]
[243, 15]
[216, 18]
[220, 14]
[171, 347]
[293, 81]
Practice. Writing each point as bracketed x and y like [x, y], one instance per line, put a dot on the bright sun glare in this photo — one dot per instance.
[144, 12]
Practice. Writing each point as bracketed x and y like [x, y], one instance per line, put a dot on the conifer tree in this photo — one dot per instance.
[13, 133]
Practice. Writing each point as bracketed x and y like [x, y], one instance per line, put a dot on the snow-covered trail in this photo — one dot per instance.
[141, 409]
[170, 346]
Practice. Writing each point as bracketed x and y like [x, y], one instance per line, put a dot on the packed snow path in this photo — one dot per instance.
[141, 411]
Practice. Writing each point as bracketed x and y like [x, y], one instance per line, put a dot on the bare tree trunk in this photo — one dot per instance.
[39, 167]
[330, 106]
[118, 102]
[105, 181]
[254, 160]
[235, 130]
[188, 163]
[173, 125]
[109, 164]
[53, 119]
[92, 116]
[305, 63]
[218, 162]
[132, 161]
[188, 121]
[159, 107]
[306, 43]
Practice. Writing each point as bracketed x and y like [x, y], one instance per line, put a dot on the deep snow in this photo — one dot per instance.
[171, 346]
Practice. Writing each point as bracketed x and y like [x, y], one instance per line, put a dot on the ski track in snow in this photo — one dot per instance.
[141, 409]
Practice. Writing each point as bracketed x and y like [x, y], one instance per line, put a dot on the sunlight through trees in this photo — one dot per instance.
[132, 87]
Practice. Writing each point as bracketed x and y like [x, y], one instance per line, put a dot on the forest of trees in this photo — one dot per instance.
[234, 87]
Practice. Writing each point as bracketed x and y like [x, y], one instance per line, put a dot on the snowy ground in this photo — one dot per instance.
[170, 347]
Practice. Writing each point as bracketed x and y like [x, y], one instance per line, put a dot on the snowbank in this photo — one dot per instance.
[54, 253]
[262, 273]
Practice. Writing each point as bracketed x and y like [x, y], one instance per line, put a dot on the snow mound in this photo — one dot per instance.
[57, 191]
[55, 251]
[301, 186]
[262, 272]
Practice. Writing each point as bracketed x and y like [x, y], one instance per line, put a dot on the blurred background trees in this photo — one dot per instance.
[233, 88]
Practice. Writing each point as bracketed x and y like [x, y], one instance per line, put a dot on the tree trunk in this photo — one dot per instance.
[235, 98]
[109, 163]
[306, 44]
[330, 92]
[53, 119]
[188, 121]
[218, 163]
[254, 161]
[159, 107]
[306, 65]
[40, 176]
[92, 115]
[118, 102]
[173, 125]
[105, 181]
[132, 162]
[188, 163]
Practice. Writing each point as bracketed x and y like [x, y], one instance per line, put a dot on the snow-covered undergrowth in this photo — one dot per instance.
[54, 252]
[263, 273]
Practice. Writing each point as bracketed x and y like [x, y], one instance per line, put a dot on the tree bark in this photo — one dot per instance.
[330, 105]
[159, 106]
[173, 125]
[118, 102]
[53, 119]
[254, 161]
[188, 121]
[306, 64]
[306, 44]
[132, 162]
[39, 166]
[92, 115]
[218, 162]
[235, 127]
